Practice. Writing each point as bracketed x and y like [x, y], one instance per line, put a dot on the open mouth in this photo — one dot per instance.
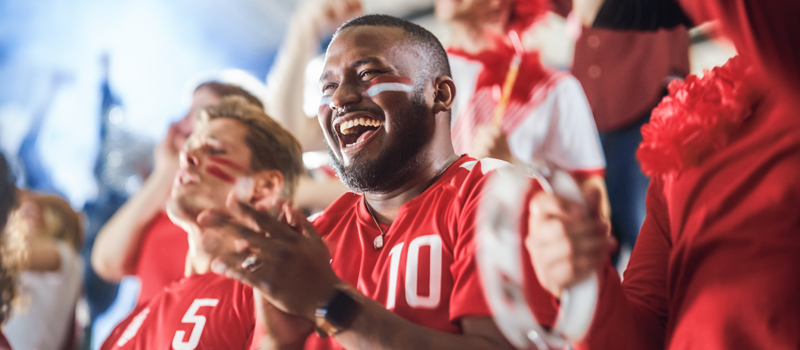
[355, 131]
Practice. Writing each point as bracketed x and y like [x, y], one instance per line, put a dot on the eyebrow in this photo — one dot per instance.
[354, 65]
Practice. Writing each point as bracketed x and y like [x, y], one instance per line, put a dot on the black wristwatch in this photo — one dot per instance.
[337, 314]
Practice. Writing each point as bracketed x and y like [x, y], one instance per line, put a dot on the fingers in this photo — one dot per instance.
[594, 202]
[565, 243]
[247, 216]
[267, 223]
[546, 206]
[490, 141]
[244, 266]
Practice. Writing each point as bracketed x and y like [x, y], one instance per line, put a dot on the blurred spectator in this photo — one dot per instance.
[139, 239]
[544, 118]
[50, 283]
[625, 74]
[10, 251]
[313, 21]
[717, 259]
[34, 175]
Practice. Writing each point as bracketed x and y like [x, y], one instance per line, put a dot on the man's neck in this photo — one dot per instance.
[476, 36]
[386, 205]
[198, 262]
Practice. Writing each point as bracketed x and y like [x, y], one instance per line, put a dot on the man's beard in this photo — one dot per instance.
[399, 161]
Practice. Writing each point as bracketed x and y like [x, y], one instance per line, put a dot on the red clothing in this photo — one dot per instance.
[624, 73]
[162, 256]
[4, 345]
[547, 116]
[426, 271]
[199, 312]
[717, 262]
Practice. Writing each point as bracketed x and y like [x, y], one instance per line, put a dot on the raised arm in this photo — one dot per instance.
[117, 245]
[564, 249]
[313, 20]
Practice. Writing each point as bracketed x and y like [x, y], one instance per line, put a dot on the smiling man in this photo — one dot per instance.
[203, 310]
[401, 272]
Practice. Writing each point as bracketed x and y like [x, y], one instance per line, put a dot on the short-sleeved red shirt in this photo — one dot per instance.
[426, 271]
[162, 256]
[205, 311]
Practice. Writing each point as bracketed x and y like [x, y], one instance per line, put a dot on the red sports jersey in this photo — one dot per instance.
[205, 311]
[426, 270]
[162, 256]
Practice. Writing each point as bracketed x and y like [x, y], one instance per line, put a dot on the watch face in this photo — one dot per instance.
[341, 311]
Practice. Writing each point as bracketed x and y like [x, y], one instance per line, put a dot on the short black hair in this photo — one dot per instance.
[428, 43]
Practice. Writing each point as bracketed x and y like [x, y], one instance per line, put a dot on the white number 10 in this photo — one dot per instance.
[197, 330]
[430, 301]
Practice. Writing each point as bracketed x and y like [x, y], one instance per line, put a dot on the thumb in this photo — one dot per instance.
[594, 202]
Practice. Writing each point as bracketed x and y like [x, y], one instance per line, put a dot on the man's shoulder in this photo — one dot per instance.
[470, 173]
[341, 207]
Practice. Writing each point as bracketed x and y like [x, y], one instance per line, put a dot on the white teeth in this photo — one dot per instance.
[345, 127]
[354, 143]
[184, 180]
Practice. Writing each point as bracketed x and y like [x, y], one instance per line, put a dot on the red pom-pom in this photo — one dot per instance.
[694, 120]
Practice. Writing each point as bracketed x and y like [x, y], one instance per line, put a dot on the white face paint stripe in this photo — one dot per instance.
[325, 101]
[382, 87]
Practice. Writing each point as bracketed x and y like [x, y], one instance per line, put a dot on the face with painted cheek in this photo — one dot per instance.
[201, 98]
[373, 116]
[214, 156]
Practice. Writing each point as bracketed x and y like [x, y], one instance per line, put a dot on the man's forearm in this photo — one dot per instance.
[378, 328]
[285, 82]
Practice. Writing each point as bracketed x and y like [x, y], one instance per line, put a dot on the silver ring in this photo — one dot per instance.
[251, 263]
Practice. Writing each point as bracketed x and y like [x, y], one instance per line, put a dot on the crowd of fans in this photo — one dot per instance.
[695, 176]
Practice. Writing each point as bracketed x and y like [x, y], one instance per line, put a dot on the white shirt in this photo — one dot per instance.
[47, 314]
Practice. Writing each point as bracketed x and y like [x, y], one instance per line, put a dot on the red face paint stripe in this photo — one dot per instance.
[227, 163]
[218, 173]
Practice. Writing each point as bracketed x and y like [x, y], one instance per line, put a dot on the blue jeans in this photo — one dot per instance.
[627, 185]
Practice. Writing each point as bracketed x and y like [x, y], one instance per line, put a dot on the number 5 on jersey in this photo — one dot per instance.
[199, 322]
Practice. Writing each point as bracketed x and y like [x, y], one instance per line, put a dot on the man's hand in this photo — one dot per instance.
[327, 15]
[491, 141]
[282, 330]
[566, 241]
[167, 151]
[284, 258]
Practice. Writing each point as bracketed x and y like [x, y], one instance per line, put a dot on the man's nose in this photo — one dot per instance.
[345, 95]
[188, 159]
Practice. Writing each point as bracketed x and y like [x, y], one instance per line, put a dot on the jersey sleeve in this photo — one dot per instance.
[633, 315]
[467, 298]
[573, 143]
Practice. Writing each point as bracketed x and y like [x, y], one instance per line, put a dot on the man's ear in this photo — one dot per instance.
[267, 189]
[444, 94]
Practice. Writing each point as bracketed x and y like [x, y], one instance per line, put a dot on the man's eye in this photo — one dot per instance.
[367, 73]
[215, 151]
[328, 87]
